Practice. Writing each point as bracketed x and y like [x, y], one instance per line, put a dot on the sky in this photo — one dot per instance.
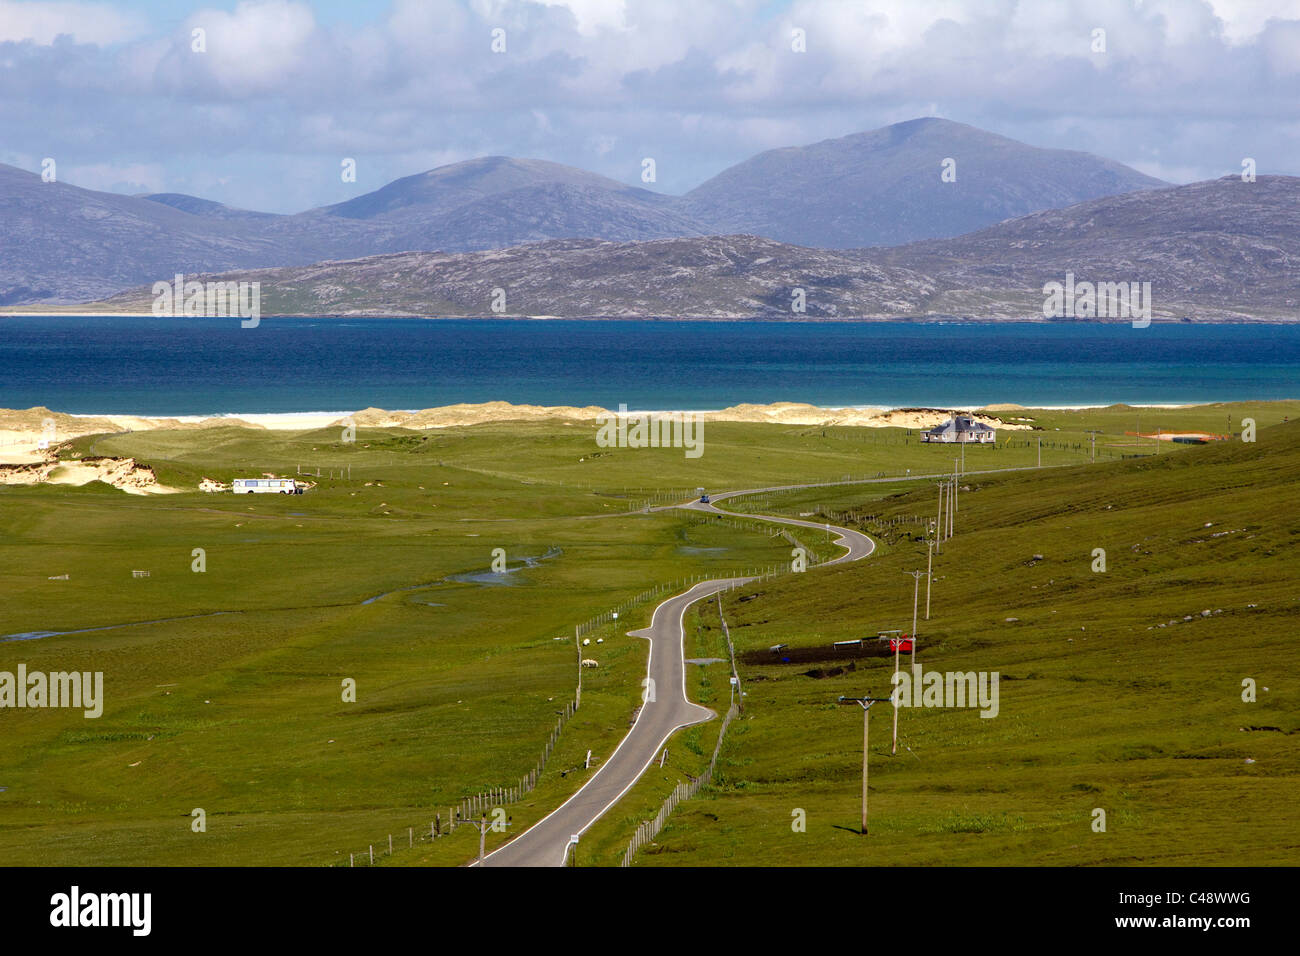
[284, 91]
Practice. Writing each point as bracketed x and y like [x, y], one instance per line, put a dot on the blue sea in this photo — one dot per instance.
[174, 366]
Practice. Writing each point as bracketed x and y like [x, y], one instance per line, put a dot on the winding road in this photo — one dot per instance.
[547, 842]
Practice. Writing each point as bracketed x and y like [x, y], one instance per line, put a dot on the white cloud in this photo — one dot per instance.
[1243, 20]
[41, 22]
[261, 44]
[593, 15]
[1185, 85]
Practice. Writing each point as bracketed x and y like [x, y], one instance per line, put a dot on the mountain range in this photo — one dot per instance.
[1222, 250]
[61, 244]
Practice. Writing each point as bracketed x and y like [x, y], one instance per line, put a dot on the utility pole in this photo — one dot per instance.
[916, 593]
[929, 559]
[865, 703]
[939, 522]
[951, 496]
[482, 826]
[954, 481]
[893, 750]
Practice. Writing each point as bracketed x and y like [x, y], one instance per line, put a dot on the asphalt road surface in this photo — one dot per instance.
[547, 842]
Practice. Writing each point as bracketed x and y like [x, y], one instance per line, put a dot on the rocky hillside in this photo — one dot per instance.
[1222, 248]
[1219, 250]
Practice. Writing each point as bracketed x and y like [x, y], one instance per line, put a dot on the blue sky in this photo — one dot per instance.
[287, 89]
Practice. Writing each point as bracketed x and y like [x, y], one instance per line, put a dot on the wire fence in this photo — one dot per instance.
[649, 829]
[475, 806]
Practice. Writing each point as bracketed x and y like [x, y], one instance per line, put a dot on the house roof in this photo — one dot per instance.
[959, 424]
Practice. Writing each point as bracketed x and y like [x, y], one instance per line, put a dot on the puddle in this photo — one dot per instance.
[489, 578]
[502, 578]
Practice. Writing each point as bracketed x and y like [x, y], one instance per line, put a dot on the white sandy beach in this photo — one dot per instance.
[28, 436]
[21, 430]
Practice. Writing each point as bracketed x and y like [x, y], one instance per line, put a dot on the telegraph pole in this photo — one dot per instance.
[865, 703]
[893, 750]
[929, 559]
[951, 496]
[482, 826]
[939, 521]
[916, 593]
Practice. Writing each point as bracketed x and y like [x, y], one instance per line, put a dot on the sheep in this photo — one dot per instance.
[588, 662]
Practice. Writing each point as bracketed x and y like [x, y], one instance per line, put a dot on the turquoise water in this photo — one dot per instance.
[150, 366]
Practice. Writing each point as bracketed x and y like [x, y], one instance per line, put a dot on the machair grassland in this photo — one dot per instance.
[232, 702]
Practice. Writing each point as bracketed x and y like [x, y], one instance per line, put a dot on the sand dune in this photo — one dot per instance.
[22, 432]
[124, 473]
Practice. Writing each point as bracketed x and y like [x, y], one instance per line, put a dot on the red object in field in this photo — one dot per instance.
[903, 643]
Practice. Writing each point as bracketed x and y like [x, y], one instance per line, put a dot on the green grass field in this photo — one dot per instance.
[1118, 691]
[231, 701]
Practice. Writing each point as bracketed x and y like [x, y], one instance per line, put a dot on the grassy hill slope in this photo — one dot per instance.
[1119, 690]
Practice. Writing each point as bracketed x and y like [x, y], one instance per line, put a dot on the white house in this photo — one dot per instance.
[960, 428]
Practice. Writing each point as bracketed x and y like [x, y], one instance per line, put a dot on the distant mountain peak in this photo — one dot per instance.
[443, 188]
[884, 186]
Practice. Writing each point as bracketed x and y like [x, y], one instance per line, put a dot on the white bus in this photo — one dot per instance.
[265, 486]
